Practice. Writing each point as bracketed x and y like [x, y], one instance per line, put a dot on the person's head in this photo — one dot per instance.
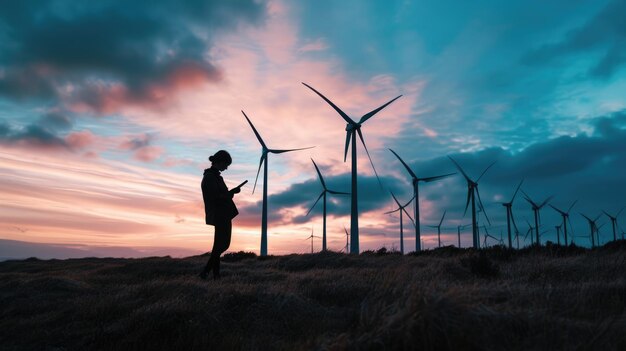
[221, 160]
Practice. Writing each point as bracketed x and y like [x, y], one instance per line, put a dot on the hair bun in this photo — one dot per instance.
[211, 158]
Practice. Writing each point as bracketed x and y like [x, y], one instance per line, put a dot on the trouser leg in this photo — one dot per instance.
[220, 244]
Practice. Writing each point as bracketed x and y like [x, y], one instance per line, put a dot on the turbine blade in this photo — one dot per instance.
[516, 190]
[407, 213]
[557, 210]
[395, 199]
[442, 217]
[404, 164]
[341, 113]
[373, 112]
[483, 207]
[316, 201]
[620, 211]
[390, 212]
[368, 156]
[513, 220]
[589, 219]
[337, 192]
[319, 174]
[276, 151]
[258, 136]
[345, 153]
[460, 169]
[408, 202]
[469, 194]
[431, 179]
[485, 171]
[263, 156]
[570, 208]
[546, 201]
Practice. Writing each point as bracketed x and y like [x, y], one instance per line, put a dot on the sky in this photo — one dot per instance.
[110, 109]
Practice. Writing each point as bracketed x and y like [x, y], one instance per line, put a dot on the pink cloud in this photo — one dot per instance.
[148, 153]
[80, 140]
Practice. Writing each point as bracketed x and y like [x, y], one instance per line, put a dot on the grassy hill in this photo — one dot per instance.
[448, 299]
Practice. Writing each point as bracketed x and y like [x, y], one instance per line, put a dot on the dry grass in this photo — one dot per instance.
[448, 299]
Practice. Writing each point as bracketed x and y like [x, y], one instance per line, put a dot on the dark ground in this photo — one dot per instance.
[552, 298]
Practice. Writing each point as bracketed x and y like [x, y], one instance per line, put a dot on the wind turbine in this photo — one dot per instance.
[558, 234]
[323, 194]
[529, 231]
[264, 151]
[458, 231]
[401, 209]
[565, 215]
[352, 129]
[614, 221]
[347, 236]
[592, 227]
[472, 191]
[509, 213]
[311, 237]
[536, 208]
[416, 181]
[439, 228]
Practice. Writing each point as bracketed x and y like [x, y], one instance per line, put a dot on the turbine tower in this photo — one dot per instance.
[558, 234]
[536, 208]
[264, 151]
[613, 221]
[352, 129]
[593, 228]
[458, 231]
[439, 229]
[565, 215]
[401, 209]
[311, 237]
[509, 214]
[323, 195]
[472, 192]
[416, 207]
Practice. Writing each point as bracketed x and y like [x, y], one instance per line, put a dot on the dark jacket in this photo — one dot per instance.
[218, 201]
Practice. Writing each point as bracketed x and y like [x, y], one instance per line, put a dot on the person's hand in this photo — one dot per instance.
[235, 191]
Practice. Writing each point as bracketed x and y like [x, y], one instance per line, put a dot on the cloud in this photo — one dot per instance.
[107, 54]
[605, 34]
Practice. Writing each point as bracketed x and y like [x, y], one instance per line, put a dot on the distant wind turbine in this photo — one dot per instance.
[472, 192]
[536, 208]
[347, 236]
[352, 129]
[416, 207]
[439, 228]
[311, 237]
[401, 209]
[558, 234]
[565, 215]
[264, 151]
[458, 230]
[613, 221]
[593, 228]
[323, 195]
[509, 214]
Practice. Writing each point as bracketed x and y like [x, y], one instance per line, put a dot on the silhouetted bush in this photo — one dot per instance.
[480, 265]
[238, 256]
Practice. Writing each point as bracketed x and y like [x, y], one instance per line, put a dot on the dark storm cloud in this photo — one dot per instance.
[606, 33]
[47, 131]
[141, 45]
[31, 135]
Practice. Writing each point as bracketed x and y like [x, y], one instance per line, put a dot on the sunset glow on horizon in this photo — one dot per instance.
[109, 113]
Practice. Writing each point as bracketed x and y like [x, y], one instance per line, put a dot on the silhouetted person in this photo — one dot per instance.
[219, 209]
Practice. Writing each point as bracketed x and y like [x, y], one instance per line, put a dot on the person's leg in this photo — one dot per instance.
[222, 242]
